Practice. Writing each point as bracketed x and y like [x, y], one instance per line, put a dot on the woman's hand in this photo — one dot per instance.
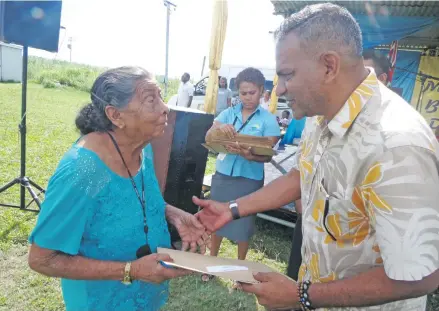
[191, 231]
[149, 269]
[228, 130]
[241, 150]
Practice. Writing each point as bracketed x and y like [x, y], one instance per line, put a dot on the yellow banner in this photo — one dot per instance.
[429, 105]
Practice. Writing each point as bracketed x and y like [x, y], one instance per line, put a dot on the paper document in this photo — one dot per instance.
[233, 269]
[226, 268]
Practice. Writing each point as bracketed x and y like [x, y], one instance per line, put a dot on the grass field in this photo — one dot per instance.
[50, 133]
[51, 73]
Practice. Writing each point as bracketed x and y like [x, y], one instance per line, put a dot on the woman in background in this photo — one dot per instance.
[241, 172]
[224, 99]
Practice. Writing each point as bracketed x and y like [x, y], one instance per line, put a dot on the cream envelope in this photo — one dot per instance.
[234, 269]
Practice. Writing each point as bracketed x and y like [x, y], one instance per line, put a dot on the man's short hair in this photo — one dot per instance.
[380, 61]
[324, 27]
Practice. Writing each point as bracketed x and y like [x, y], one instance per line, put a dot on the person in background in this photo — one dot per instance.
[224, 100]
[285, 121]
[265, 100]
[241, 172]
[367, 172]
[379, 62]
[104, 215]
[185, 91]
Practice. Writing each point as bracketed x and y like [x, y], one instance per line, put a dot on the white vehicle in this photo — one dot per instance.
[230, 72]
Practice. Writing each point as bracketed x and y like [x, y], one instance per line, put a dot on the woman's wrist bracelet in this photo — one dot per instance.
[303, 295]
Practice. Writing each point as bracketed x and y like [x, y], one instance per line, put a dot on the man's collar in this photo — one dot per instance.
[344, 119]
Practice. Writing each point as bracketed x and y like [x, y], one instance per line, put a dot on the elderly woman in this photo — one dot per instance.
[104, 215]
[241, 172]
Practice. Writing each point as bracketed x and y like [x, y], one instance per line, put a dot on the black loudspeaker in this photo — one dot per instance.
[31, 23]
[180, 159]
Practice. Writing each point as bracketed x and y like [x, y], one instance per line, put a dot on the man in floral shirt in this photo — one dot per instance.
[367, 173]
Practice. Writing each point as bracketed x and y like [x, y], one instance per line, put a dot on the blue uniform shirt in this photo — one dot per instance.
[263, 123]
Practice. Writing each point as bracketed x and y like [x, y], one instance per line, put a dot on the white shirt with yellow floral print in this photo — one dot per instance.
[375, 166]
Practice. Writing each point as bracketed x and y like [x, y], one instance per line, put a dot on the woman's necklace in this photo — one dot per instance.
[141, 199]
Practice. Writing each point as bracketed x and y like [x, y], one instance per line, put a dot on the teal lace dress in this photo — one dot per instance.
[92, 212]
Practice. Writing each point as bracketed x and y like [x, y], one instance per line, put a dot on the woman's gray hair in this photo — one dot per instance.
[115, 87]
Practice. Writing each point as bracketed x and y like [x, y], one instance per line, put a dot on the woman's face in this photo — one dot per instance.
[250, 94]
[145, 116]
[222, 82]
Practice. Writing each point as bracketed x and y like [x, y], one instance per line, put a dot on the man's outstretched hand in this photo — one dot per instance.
[213, 215]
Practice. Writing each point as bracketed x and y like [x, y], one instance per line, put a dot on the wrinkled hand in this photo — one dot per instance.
[149, 269]
[213, 215]
[192, 232]
[275, 292]
[228, 130]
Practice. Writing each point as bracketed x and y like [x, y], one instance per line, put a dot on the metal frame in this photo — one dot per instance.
[24, 182]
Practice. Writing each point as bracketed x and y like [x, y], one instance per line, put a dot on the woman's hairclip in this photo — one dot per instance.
[100, 99]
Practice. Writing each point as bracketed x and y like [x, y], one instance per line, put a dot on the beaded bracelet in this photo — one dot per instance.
[302, 293]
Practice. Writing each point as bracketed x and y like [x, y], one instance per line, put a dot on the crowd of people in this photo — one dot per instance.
[366, 179]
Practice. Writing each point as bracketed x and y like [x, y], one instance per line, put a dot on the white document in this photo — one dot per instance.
[214, 269]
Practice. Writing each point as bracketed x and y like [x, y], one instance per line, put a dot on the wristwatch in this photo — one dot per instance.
[126, 274]
[233, 205]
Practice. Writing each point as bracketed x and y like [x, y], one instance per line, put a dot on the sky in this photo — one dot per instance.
[132, 32]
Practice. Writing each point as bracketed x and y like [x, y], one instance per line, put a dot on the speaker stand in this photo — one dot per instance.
[24, 182]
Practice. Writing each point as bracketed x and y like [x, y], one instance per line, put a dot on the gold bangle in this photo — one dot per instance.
[126, 275]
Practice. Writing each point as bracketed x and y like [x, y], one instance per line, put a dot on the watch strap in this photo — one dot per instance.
[233, 205]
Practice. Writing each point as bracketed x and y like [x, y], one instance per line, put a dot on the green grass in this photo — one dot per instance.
[51, 132]
[52, 73]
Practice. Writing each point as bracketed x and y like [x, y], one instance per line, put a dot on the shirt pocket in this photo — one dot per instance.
[341, 221]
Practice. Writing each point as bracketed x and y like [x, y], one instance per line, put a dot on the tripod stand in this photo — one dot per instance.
[24, 182]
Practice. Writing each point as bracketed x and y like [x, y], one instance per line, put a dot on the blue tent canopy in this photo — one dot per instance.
[383, 29]
[407, 63]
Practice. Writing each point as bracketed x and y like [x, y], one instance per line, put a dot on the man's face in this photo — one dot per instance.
[185, 78]
[300, 78]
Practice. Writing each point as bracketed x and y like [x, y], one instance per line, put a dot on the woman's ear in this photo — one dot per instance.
[114, 116]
